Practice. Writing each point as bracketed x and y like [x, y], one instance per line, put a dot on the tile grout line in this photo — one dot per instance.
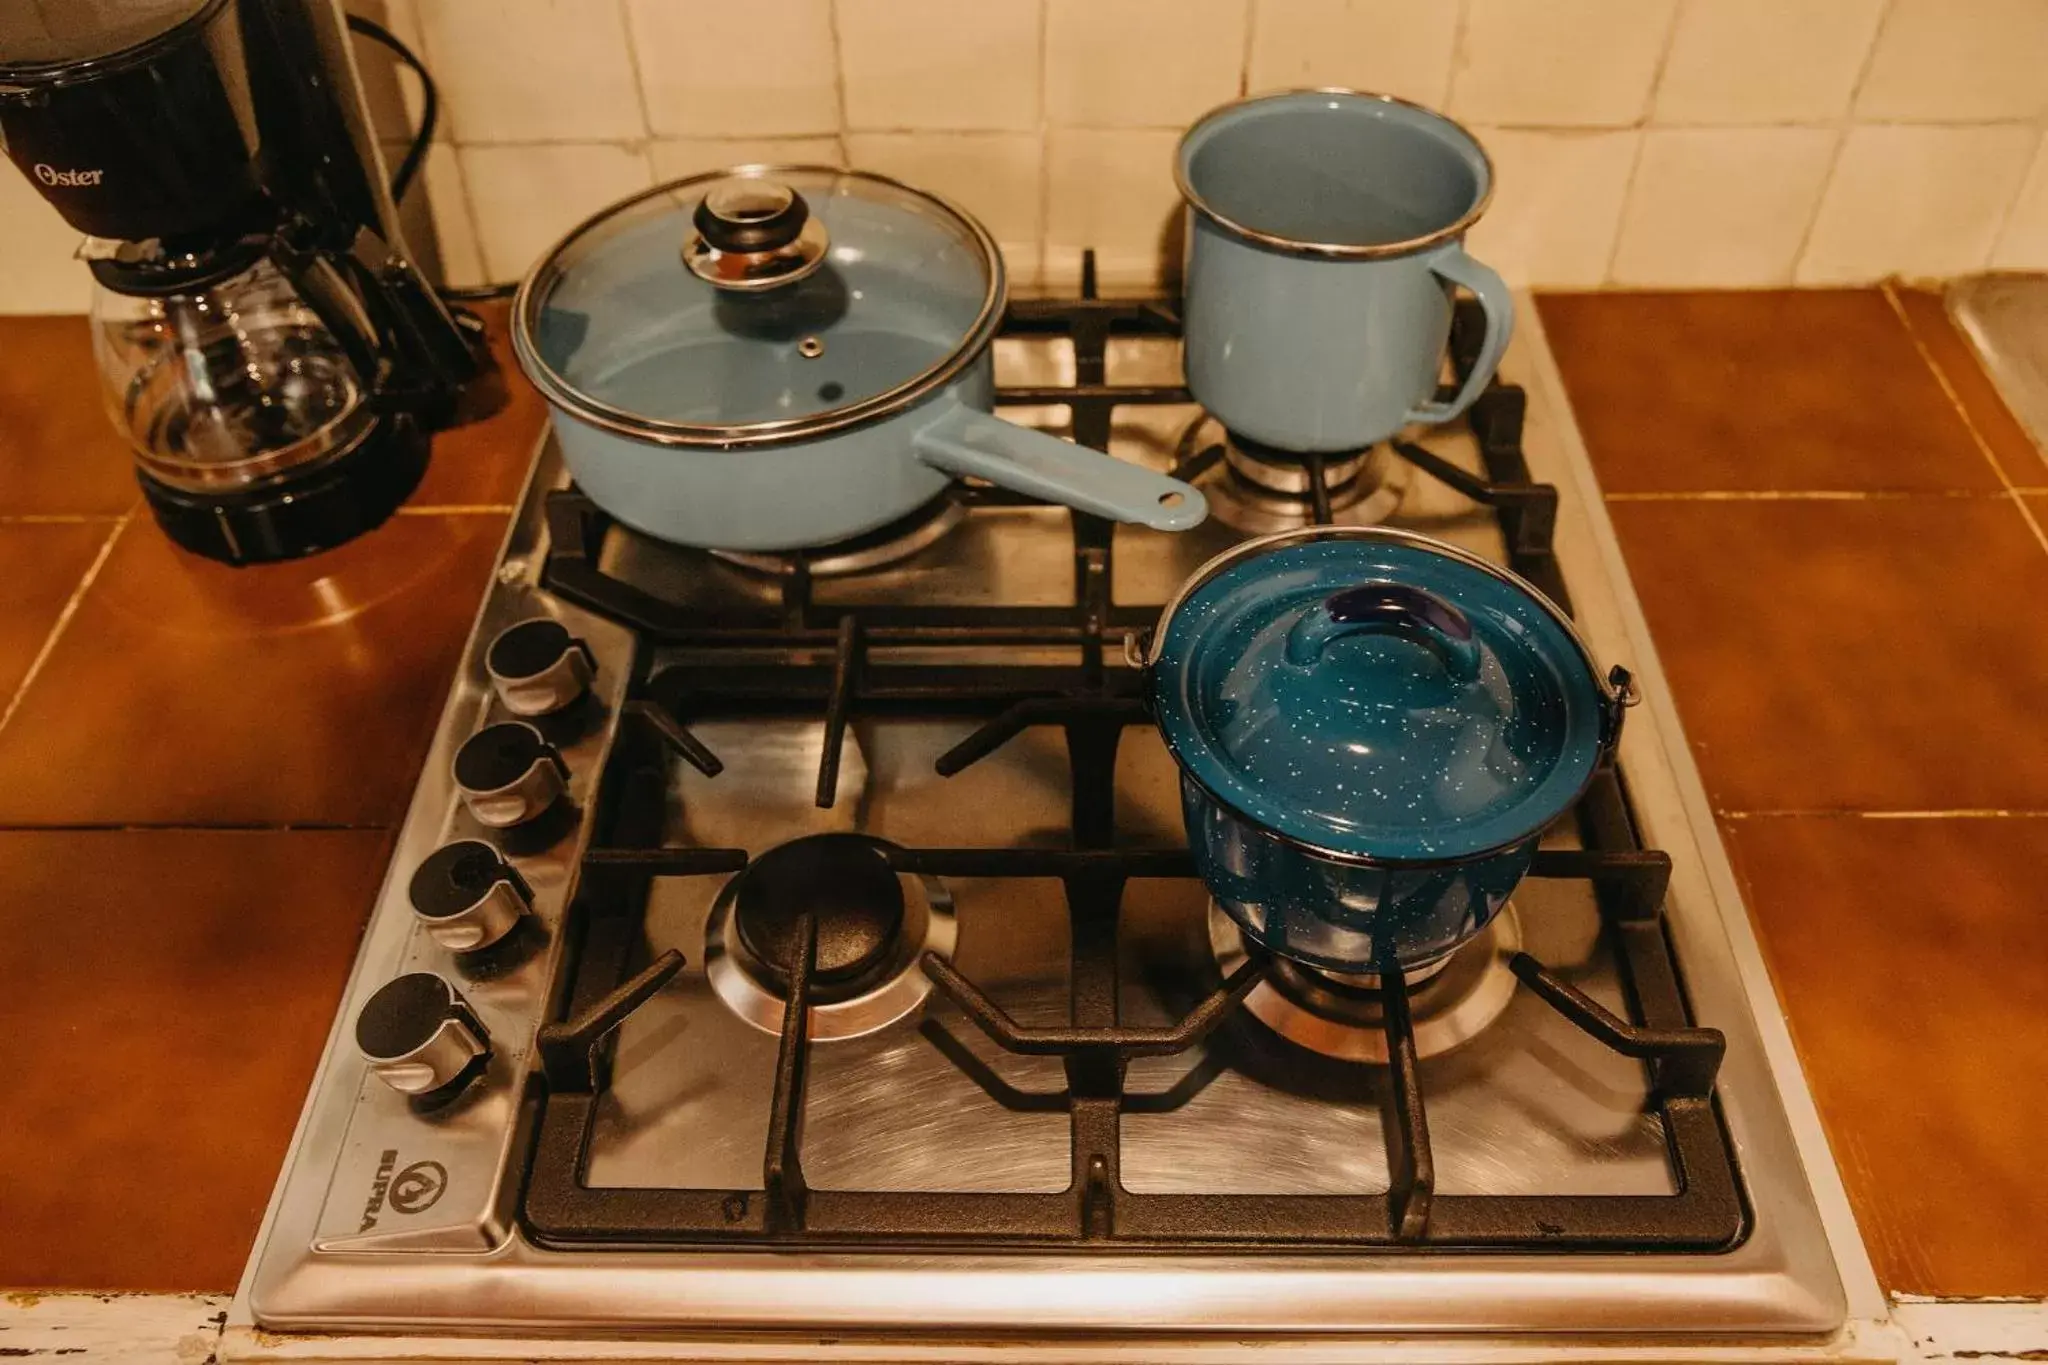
[1644, 121]
[1043, 131]
[1459, 24]
[632, 41]
[1577, 130]
[1844, 124]
[1808, 495]
[58, 518]
[71, 603]
[1898, 307]
[1825, 813]
[198, 827]
[2012, 206]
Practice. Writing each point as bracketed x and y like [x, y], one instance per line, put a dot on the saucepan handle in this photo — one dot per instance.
[1451, 262]
[1387, 609]
[968, 441]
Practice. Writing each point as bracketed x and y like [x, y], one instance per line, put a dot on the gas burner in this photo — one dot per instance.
[885, 545]
[870, 935]
[1451, 1001]
[1259, 489]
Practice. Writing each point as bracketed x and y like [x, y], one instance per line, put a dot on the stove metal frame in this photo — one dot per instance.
[1782, 1282]
[1093, 702]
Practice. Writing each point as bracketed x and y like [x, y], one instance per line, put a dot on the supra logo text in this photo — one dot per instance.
[382, 1182]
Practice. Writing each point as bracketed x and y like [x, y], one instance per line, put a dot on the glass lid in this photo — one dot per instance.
[1383, 698]
[767, 303]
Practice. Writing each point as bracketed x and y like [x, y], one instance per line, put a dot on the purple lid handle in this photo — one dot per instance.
[1388, 609]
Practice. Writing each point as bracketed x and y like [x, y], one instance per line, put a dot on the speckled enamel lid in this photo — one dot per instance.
[1379, 695]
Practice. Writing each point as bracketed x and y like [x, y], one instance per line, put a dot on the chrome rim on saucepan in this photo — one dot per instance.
[905, 394]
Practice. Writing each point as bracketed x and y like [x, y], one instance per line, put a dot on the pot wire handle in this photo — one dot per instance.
[1387, 609]
[1497, 302]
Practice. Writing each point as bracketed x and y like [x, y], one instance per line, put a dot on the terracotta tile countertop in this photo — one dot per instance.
[1836, 532]
[1835, 529]
[200, 772]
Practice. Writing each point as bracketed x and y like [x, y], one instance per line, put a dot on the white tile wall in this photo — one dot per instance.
[674, 158]
[1916, 200]
[766, 68]
[2024, 243]
[1959, 61]
[1141, 63]
[532, 70]
[1111, 189]
[446, 213]
[1765, 61]
[997, 177]
[1640, 142]
[527, 197]
[1390, 47]
[1720, 206]
[939, 64]
[1559, 63]
[1557, 203]
[37, 274]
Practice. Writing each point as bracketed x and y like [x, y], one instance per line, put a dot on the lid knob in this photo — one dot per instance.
[1396, 609]
[752, 234]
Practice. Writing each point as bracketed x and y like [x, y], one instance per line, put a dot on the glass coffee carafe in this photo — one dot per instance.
[235, 385]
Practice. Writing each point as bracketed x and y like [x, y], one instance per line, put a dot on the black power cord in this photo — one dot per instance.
[430, 101]
[422, 140]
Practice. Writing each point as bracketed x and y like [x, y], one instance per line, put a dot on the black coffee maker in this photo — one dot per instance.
[264, 343]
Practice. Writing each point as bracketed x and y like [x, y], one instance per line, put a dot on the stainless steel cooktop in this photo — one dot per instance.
[397, 1216]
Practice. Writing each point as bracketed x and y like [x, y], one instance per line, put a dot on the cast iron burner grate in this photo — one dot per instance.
[802, 657]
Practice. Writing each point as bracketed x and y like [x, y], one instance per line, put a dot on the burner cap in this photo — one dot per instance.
[843, 880]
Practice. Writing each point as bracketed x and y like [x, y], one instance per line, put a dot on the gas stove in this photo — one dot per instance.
[806, 943]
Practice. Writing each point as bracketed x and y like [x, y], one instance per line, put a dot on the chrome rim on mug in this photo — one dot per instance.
[1325, 237]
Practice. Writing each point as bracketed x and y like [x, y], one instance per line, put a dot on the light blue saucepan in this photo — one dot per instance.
[1325, 236]
[773, 358]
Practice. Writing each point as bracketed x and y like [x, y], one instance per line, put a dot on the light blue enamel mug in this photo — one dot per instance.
[1325, 238]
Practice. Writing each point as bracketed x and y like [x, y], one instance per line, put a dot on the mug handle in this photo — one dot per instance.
[1450, 262]
[968, 441]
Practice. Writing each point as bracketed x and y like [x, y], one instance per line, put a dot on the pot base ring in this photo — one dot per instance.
[908, 535]
[1339, 1016]
[1262, 491]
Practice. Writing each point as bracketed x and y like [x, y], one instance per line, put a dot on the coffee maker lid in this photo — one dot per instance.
[50, 39]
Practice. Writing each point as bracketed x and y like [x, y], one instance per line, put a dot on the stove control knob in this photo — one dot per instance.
[508, 774]
[468, 896]
[537, 667]
[420, 1036]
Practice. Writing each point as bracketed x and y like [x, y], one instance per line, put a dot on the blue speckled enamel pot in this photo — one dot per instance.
[1373, 729]
[1325, 233]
